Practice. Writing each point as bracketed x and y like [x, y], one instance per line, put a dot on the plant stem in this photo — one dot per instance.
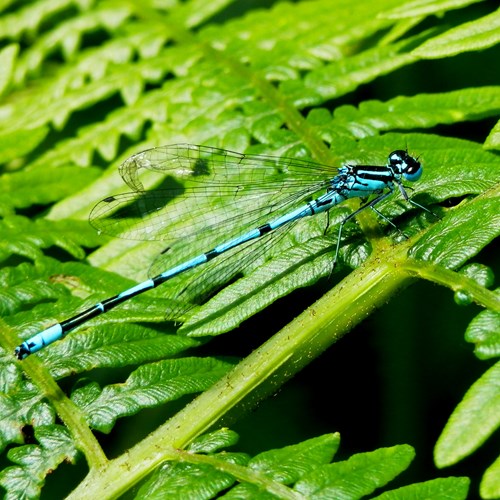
[455, 281]
[68, 412]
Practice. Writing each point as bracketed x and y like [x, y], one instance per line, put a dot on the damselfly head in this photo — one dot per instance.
[404, 164]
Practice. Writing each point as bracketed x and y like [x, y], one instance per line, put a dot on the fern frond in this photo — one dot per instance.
[86, 83]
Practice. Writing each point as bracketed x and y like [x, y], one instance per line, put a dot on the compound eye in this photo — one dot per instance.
[413, 170]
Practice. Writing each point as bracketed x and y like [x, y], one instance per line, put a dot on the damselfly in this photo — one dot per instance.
[231, 201]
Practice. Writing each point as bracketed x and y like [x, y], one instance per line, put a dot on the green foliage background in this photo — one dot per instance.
[111, 409]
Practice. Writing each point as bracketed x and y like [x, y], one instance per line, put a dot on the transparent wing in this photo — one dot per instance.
[223, 194]
[213, 165]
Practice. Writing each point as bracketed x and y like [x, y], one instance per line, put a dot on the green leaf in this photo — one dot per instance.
[30, 17]
[425, 7]
[358, 476]
[287, 465]
[343, 76]
[67, 35]
[475, 35]
[35, 461]
[7, 60]
[20, 142]
[113, 345]
[493, 140]
[21, 236]
[209, 443]
[484, 332]
[461, 235]
[19, 407]
[473, 421]
[420, 111]
[490, 484]
[148, 386]
[53, 184]
[444, 488]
